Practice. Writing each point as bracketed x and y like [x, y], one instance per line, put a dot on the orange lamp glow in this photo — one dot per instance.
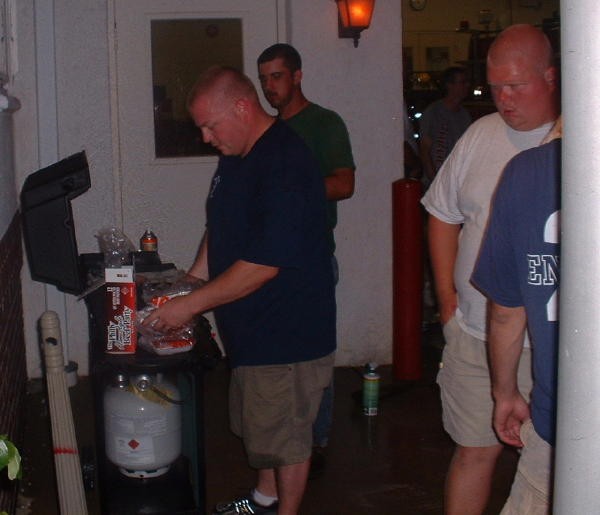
[354, 17]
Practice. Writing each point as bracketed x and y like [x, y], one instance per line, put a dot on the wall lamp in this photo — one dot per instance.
[354, 16]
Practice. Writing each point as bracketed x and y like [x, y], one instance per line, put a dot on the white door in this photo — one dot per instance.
[168, 194]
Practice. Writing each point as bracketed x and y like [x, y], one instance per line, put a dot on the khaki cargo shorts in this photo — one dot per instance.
[466, 388]
[531, 488]
[273, 407]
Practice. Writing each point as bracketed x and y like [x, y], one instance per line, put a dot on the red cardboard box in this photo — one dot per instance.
[121, 335]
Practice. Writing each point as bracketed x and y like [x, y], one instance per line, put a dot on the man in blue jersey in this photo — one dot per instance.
[519, 273]
[524, 84]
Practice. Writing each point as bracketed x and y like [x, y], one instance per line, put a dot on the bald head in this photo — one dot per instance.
[225, 107]
[521, 43]
[223, 84]
[522, 77]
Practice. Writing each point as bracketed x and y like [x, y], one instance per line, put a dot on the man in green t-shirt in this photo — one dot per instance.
[325, 133]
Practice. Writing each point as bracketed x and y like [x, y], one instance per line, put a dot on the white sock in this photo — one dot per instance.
[263, 500]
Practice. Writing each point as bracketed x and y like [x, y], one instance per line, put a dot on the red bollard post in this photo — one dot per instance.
[407, 228]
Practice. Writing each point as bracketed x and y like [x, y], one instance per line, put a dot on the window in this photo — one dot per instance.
[180, 50]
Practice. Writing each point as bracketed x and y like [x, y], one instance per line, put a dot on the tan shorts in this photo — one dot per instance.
[531, 489]
[466, 389]
[273, 407]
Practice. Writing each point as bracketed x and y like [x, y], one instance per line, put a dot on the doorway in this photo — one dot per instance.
[159, 48]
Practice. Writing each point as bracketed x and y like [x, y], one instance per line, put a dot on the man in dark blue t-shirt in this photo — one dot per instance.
[518, 271]
[266, 260]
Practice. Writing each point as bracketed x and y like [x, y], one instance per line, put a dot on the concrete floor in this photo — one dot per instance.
[390, 464]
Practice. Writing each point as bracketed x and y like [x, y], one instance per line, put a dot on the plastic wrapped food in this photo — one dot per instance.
[173, 341]
[180, 339]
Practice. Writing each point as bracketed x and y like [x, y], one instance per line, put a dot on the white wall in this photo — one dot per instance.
[81, 121]
[362, 84]
[26, 160]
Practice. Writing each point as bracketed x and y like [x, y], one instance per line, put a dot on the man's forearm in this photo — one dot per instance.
[443, 248]
[340, 185]
[505, 341]
[239, 280]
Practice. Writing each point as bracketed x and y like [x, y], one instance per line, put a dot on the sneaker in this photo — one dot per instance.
[244, 506]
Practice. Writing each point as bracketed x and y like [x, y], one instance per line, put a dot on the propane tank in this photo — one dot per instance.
[142, 424]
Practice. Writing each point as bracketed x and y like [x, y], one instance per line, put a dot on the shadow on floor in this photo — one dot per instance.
[391, 464]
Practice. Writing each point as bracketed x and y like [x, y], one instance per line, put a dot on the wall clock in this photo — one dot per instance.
[418, 5]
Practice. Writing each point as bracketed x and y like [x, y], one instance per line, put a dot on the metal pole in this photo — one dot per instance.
[48, 127]
[577, 474]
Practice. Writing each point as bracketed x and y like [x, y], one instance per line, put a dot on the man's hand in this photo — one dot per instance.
[171, 315]
[509, 415]
[506, 331]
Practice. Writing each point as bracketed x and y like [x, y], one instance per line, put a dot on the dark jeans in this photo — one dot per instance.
[322, 424]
